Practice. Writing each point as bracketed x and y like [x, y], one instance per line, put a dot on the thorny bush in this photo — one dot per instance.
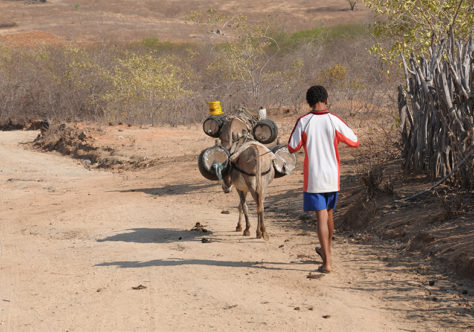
[164, 83]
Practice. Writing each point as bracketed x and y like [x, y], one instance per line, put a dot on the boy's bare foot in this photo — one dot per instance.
[324, 269]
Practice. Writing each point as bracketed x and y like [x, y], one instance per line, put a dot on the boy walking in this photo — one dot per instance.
[319, 133]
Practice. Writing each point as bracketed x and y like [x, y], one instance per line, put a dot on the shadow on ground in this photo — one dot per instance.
[156, 235]
[175, 189]
[279, 266]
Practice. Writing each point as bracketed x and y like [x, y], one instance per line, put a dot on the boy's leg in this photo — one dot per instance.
[323, 235]
[330, 226]
[330, 232]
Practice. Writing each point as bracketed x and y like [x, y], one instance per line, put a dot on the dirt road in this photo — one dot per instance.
[88, 250]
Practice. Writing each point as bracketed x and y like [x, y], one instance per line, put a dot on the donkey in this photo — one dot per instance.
[251, 170]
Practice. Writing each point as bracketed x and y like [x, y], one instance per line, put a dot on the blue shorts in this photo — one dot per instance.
[316, 202]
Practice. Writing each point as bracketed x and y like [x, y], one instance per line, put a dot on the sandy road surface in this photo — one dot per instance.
[74, 242]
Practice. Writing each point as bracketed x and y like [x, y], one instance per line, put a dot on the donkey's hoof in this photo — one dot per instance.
[246, 232]
[265, 236]
[238, 228]
[259, 235]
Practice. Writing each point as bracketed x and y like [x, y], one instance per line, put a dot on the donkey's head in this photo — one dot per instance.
[233, 131]
[223, 176]
[226, 183]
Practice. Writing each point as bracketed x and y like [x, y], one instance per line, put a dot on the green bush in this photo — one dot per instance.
[321, 34]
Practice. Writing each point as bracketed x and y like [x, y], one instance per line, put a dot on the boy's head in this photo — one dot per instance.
[316, 94]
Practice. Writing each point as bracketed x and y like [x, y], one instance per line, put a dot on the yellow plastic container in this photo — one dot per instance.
[215, 108]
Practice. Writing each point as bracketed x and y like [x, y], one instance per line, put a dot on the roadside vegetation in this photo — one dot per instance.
[155, 82]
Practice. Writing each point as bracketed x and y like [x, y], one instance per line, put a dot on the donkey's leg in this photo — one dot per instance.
[261, 224]
[238, 228]
[245, 210]
[257, 192]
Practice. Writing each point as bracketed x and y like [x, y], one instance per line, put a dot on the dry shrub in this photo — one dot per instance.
[73, 84]
[454, 203]
[157, 83]
[378, 148]
[43, 84]
[371, 181]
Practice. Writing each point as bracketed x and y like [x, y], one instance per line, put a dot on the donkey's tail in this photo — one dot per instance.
[258, 173]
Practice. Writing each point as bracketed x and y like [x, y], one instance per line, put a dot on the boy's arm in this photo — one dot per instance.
[344, 133]
[296, 138]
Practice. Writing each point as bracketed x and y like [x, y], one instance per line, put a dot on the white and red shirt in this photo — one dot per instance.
[320, 132]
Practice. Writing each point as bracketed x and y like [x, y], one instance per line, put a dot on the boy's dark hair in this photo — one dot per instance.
[315, 94]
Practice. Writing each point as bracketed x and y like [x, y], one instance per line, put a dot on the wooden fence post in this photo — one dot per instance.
[438, 101]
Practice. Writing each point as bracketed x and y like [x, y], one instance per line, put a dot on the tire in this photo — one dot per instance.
[204, 164]
[280, 152]
[213, 124]
[265, 131]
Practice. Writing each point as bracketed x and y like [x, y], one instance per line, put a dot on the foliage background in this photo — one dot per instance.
[154, 82]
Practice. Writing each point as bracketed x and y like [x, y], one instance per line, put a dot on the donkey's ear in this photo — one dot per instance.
[233, 146]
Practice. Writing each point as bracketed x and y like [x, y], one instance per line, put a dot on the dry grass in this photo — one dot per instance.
[72, 83]
[94, 21]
